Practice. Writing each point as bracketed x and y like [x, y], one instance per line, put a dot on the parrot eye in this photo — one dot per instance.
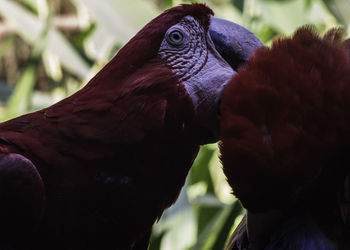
[175, 37]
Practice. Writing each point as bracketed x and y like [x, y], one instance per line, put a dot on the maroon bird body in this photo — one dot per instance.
[106, 161]
[285, 143]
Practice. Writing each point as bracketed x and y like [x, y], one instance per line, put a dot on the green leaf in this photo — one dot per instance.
[6, 45]
[284, 16]
[200, 174]
[239, 4]
[166, 3]
[265, 32]
[179, 223]
[340, 9]
[19, 101]
[30, 27]
[156, 240]
[224, 232]
[116, 21]
[30, 4]
[218, 228]
[200, 169]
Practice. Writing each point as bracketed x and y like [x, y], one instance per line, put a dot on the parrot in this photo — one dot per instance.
[285, 141]
[97, 169]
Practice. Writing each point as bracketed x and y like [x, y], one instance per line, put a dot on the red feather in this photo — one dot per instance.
[114, 155]
[285, 121]
[285, 131]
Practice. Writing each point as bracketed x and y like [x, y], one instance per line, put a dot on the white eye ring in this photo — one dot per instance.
[175, 37]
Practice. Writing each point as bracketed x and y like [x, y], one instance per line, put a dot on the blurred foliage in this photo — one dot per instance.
[49, 49]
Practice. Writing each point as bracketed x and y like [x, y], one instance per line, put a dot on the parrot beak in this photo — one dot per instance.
[233, 42]
[229, 46]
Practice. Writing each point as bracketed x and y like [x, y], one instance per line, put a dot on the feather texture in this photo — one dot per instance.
[114, 155]
[286, 137]
[22, 197]
[284, 118]
[123, 148]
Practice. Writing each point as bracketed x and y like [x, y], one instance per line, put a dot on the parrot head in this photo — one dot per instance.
[197, 53]
[201, 52]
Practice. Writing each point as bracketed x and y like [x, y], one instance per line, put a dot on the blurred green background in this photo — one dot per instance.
[51, 48]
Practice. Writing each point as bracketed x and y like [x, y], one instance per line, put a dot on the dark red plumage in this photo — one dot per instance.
[114, 155]
[109, 159]
[22, 196]
[285, 131]
[77, 156]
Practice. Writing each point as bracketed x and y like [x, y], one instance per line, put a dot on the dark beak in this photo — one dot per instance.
[234, 42]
